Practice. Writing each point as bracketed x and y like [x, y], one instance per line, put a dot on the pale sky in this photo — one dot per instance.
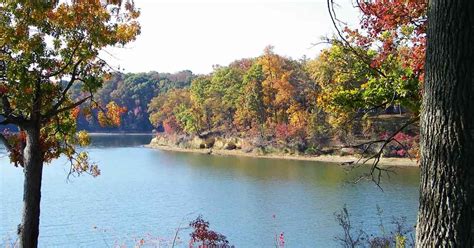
[195, 35]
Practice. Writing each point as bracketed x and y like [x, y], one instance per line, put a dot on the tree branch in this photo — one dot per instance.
[375, 170]
[63, 95]
[332, 15]
[76, 104]
[71, 58]
[9, 117]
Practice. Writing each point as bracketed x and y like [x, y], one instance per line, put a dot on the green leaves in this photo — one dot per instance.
[349, 84]
[49, 48]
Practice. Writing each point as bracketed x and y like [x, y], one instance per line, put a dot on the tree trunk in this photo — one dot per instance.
[33, 169]
[446, 214]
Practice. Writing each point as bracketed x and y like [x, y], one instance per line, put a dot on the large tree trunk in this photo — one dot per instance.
[445, 217]
[33, 169]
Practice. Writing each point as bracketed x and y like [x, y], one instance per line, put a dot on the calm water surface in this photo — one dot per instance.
[145, 192]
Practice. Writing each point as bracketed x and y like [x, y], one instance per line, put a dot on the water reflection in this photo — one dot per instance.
[288, 170]
[119, 140]
[143, 191]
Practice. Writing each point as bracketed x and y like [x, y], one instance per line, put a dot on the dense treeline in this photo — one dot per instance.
[133, 92]
[276, 100]
[255, 96]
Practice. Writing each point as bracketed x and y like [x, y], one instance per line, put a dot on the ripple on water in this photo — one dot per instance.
[145, 191]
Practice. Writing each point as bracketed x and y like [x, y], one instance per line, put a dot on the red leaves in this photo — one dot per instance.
[393, 25]
[3, 89]
[284, 132]
[403, 145]
[281, 240]
[171, 125]
[17, 143]
[207, 238]
[383, 15]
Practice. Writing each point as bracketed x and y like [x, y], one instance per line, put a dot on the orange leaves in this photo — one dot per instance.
[50, 147]
[277, 87]
[75, 112]
[51, 48]
[101, 25]
[111, 116]
[127, 32]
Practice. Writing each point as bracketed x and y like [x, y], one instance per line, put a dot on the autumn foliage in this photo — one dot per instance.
[270, 95]
[369, 70]
[293, 104]
[57, 43]
[203, 237]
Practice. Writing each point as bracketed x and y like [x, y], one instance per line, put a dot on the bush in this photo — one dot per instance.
[403, 145]
[204, 237]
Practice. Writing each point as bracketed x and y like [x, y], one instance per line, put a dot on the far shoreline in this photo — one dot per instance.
[335, 159]
[116, 133]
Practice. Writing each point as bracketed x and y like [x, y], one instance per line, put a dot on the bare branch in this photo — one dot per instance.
[403, 147]
[332, 15]
[376, 171]
[68, 86]
[76, 104]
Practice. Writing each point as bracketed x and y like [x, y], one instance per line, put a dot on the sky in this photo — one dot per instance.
[195, 35]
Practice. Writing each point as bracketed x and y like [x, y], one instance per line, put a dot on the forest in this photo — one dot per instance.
[302, 104]
[132, 92]
[299, 103]
[361, 86]
[394, 85]
[305, 101]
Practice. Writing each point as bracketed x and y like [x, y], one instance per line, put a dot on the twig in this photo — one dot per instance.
[376, 171]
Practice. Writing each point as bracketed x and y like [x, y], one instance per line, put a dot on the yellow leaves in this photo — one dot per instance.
[127, 32]
[81, 164]
[111, 116]
[103, 120]
[48, 41]
[340, 119]
[298, 117]
[83, 138]
[101, 24]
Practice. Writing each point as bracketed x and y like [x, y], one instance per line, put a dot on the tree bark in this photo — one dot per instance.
[446, 213]
[33, 170]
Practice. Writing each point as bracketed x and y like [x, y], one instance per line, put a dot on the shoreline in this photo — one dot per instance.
[336, 159]
[117, 133]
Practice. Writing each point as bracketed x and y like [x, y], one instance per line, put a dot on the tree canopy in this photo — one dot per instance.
[46, 48]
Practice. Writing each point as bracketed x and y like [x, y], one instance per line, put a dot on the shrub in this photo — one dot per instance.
[402, 145]
[204, 237]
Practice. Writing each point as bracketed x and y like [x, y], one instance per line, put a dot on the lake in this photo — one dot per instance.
[146, 193]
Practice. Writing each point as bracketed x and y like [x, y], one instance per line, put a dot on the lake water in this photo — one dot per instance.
[145, 193]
